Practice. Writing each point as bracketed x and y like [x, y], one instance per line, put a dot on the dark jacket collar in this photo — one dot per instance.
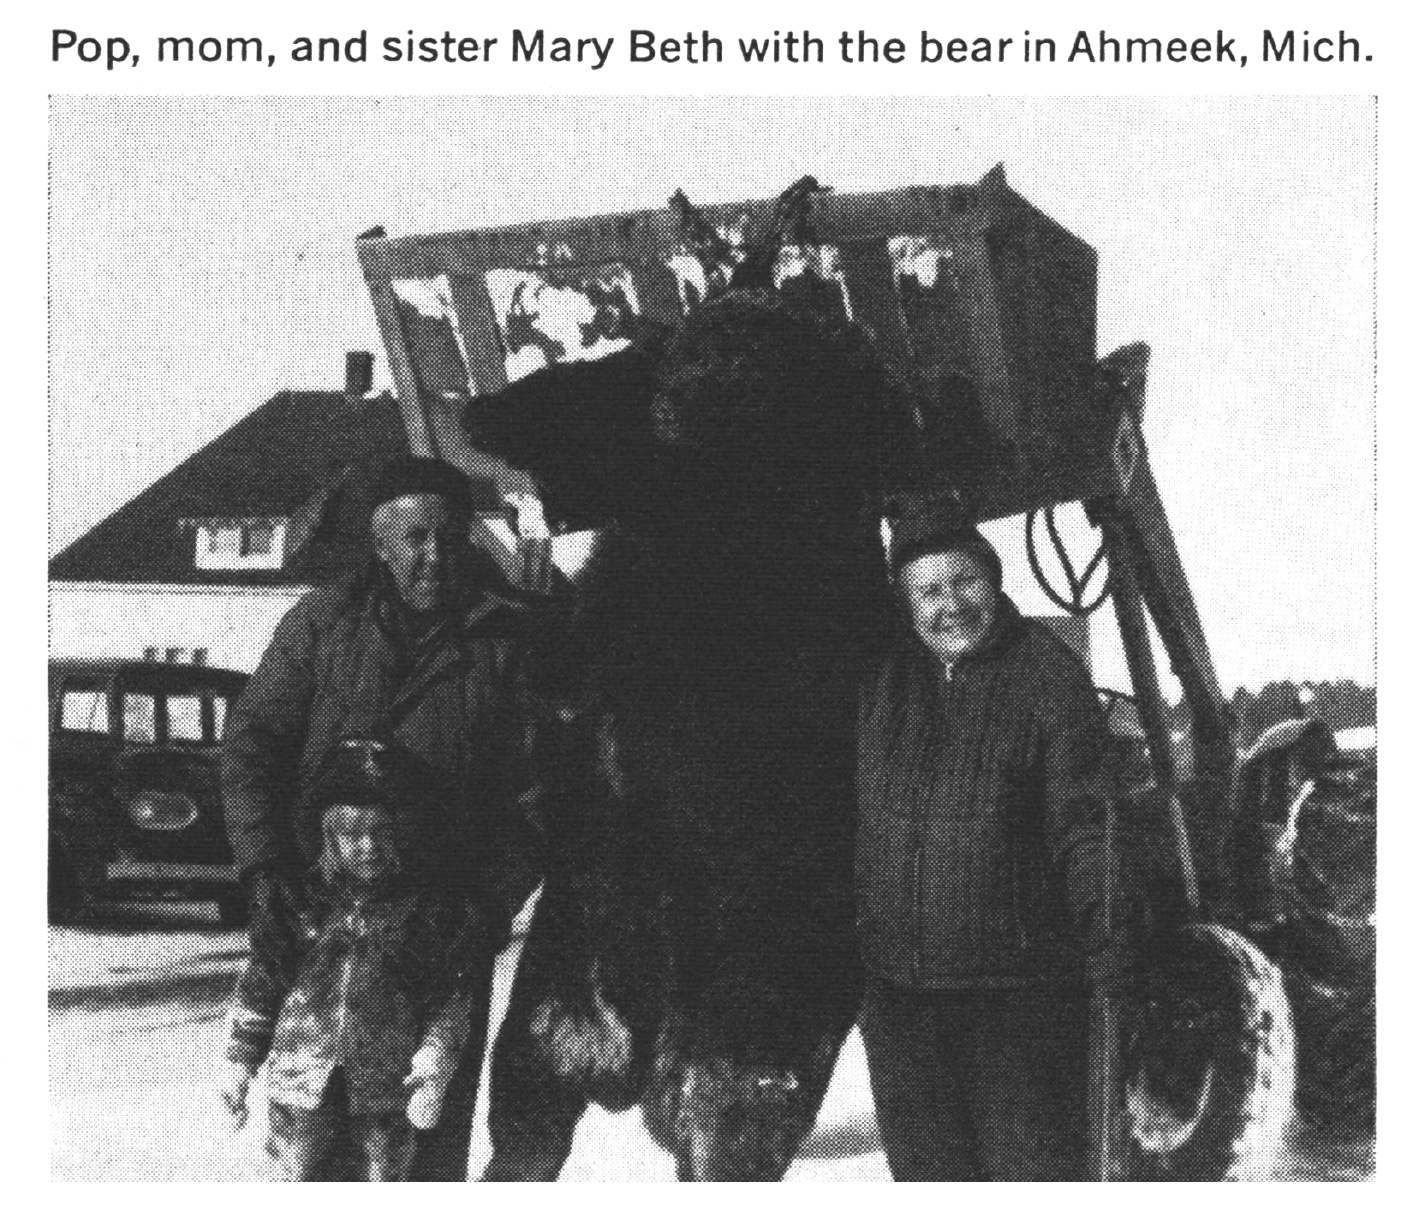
[1007, 627]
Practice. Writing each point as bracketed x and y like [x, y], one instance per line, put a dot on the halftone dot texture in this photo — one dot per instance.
[202, 265]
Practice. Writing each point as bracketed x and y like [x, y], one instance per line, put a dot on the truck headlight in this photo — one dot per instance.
[153, 810]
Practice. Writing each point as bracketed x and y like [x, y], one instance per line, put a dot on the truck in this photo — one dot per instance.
[135, 801]
[985, 308]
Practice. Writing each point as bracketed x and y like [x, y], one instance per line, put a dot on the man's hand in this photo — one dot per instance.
[431, 1069]
[233, 1081]
[271, 887]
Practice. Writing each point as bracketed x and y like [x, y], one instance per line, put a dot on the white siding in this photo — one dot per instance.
[233, 624]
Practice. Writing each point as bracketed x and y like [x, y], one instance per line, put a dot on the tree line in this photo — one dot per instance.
[1339, 704]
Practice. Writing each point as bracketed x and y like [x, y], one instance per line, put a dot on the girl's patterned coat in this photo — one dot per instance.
[356, 978]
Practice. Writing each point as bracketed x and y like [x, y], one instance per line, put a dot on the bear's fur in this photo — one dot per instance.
[692, 734]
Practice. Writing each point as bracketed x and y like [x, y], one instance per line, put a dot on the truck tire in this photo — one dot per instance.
[1208, 1058]
[1330, 948]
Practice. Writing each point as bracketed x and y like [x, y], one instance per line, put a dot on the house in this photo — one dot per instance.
[212, 554]
[202, 564]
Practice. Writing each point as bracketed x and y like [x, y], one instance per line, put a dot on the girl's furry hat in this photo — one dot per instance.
[364, 771]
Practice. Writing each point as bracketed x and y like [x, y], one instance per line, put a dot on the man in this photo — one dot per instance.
[417, 646]
[979, 873]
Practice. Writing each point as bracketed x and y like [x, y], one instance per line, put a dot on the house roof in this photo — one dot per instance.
[302, 455]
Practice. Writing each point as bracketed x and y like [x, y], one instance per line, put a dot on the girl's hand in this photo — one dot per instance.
[233, 1080]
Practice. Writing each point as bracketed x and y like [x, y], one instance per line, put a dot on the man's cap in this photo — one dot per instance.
[408, 474]
[940, 528]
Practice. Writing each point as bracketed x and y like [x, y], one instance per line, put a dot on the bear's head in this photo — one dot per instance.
[583, 431]
[753, 408]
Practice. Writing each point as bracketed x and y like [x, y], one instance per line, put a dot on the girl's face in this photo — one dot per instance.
[362, 840]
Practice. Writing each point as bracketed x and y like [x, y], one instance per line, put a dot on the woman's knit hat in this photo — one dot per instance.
[939, 527]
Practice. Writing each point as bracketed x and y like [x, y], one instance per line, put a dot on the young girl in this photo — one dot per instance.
[356, 996]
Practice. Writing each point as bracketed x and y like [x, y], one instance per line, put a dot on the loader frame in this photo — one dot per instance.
[1013, 411]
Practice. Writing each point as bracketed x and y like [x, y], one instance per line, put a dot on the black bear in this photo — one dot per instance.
[691, 734]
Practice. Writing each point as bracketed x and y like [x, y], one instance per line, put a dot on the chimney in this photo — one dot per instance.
[199, 656]
[174, 656]
[360, 373]
[150, 653]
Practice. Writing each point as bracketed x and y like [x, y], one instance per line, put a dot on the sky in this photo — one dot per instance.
[202, 257]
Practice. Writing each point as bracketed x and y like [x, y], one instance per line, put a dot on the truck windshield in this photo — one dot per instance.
[84, 710]
[140, 720]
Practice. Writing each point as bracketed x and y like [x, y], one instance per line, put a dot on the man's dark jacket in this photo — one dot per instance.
[344, 661]
[982, 797]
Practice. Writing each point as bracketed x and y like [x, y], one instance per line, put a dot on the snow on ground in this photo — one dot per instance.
[136, 1022]
[136, 1008]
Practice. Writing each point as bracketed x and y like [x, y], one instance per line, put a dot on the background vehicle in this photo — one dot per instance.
[135, 801]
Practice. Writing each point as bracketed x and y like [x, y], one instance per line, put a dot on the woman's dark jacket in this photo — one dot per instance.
[356, 978]
[981, 813]
[345, 661]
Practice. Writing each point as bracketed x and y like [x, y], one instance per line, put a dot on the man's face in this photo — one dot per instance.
[418, 538]
[952, 599]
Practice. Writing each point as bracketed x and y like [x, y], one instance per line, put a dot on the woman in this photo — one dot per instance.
[979, 872]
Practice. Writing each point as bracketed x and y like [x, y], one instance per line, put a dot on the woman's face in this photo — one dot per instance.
[951, 598]
[362, 838]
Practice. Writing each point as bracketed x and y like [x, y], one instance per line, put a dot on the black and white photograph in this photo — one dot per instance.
[703, 638]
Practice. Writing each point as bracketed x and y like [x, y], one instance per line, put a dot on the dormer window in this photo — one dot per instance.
[238, 544]
[223, 541]
[258, 539]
